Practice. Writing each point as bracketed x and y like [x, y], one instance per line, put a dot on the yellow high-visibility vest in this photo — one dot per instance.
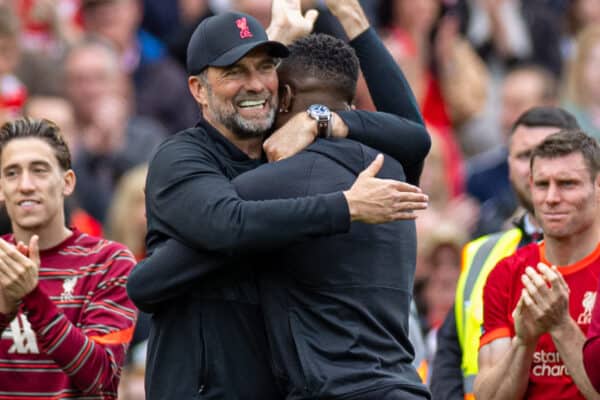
[479, 258]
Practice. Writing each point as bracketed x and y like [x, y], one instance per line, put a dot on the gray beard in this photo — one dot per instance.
[242, 128]
[245, 129]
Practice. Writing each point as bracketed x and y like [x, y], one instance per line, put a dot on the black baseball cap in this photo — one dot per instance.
[223, 39]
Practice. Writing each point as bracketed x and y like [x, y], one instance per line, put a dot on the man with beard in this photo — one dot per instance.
[455, 362]
[190, 198]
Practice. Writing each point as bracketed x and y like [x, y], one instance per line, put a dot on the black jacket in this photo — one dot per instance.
[336, 307]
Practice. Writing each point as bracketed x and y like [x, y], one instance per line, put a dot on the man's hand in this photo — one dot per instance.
[373, 201]
[351, 16]
[297, 134]
[288, 23]
[527, 331]
[293, 137]
[18, 273]
[548, 296]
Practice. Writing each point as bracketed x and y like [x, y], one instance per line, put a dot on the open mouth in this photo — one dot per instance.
[252, 104]
[28, 203]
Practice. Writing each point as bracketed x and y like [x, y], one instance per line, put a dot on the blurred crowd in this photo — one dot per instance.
[111, 74]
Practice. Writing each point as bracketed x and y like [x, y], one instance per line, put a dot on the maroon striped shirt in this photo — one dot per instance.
[69, 337]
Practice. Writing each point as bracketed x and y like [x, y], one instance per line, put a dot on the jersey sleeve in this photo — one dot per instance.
[92, 351]
[5, 321]
[497, 303]
[170, 270]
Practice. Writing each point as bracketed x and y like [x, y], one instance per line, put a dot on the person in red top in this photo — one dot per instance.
[537, 303]
[65, 318]
[591, 349]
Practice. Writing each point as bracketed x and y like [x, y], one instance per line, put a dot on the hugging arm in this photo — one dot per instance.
[171, 270]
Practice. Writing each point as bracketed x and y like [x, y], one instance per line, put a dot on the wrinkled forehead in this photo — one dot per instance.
[563, 166]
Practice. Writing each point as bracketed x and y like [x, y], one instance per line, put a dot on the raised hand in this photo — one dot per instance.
[549, 296]
[18, 273]
[373, 200]
[527, 330]
[351, 16]
[288, 23]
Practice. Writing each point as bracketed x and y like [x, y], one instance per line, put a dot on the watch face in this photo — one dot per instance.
[319, 111]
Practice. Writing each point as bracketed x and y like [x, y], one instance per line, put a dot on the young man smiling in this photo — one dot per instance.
[65, 318]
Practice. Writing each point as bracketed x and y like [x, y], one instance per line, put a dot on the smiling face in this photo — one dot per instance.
[240, 99]
[564, 195]
[33, 185]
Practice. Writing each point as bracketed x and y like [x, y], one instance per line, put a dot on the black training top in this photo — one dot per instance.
[336, 307]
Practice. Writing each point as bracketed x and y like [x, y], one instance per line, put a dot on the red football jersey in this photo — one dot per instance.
[591, 349]
[594, 329]
[70, 334]
[548, 376]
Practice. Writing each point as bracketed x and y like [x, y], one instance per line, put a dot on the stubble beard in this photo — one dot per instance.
[524, 200]
[243, 128]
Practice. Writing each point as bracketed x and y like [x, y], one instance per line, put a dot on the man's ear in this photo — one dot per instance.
[69, 181]
[198, 90]
[286, 97]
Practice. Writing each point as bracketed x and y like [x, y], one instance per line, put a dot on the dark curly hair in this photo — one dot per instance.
[325, 58]
[42, 129]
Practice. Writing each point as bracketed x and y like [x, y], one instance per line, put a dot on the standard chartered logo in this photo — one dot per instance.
[548, 364]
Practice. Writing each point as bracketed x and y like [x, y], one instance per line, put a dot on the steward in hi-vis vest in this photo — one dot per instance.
[480, 256]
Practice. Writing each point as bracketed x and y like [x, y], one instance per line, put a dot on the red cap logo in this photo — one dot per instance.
[242, 25]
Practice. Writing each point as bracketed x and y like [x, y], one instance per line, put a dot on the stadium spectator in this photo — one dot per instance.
[159, 82]
[63, 304]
